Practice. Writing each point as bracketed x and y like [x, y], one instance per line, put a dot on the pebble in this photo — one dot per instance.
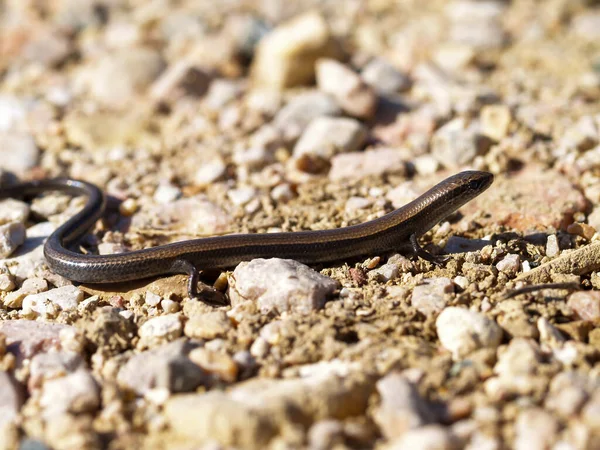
[495, 121]
[462, 331]
[27, 338]
[210, 171]
[117, 76]
[151, 299]
[286, 56]
[402, 194]
[207, 218]
[214, 416]
[401, 408]
[509, 265]
[18, 152]
[282, 193]
[165, 367]
[51, 302]
[384, 78]
[13, 211]
[354, 204]
[581, 229]
[587, 25]
[552, 248]
[11, 399]
[216, 363]
[535, 428]
[567, 394]
[51, 365]
[431, 297]
[326, 434]
[260, 348]
[13, 111]
[326, 136]
[75, 393]
[386, 272]
[110, 330]
[280, 285]
[585, 304]
[241, 195]
[160, 330]
[180, 78]
[12, 235]
[477, 24]
[456, 144]
[222, 92]
[363, 164]
[428, 437]
[208, 326]
[426, 165]
[166, 193]
[169, 306]
[520, 357]
[293, 118]
[355, 97]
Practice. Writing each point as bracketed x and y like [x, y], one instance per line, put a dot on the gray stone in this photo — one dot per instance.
[208, 326]
[280, 285]
[294, 117]
[430, 297]
[13, 211]
[455, 144]
[384, 77]
[166, 367]
[326, 136]
[358, 165]
[160, 330]
[45, 366]
[51, 302]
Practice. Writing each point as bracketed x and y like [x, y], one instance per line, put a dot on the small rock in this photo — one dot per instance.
[111, 331]
[326, 136]
[549, 334]
[13, 211]
[294, 117]
[354, 204]
[151, 299]
[179, 79]
[282, 193]
[26, 338]
[430, 298]
[426, 165]
[169, 306]
[402, 194]
[455, 144]
[11, 400]
[216, 417]
[582, 229]
[7, 283]
[363, 164]
[64, 298]
[477, 23]
[384, 78]
[402, 408]
[462, 331]
[46, 366]
[585, 304]
[18, 152]
[260, 347]
[160, 330]
[535, 428]
[117, 76]
[30, 286]
[222, 92]
[552, 248]
[241, 195]
[12, 235]
[567, 394]
[286, 56]
[326, 434]
[509, 265]
[520, 357]
[208, 326]
[75, 393]
[210, 171]
[429, 437]
[587, 25]
[495, 120]
[355, 97]
[219, 364]
[280, 285]
[166, 367]
[166, 193]
[385, 273]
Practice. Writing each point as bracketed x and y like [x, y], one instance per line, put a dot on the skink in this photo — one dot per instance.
[396, 231]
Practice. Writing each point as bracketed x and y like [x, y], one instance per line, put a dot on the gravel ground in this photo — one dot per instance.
[202, 118]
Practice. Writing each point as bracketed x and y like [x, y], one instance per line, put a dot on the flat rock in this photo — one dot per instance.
[280, 285]
[358, 165]
[165, 367]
